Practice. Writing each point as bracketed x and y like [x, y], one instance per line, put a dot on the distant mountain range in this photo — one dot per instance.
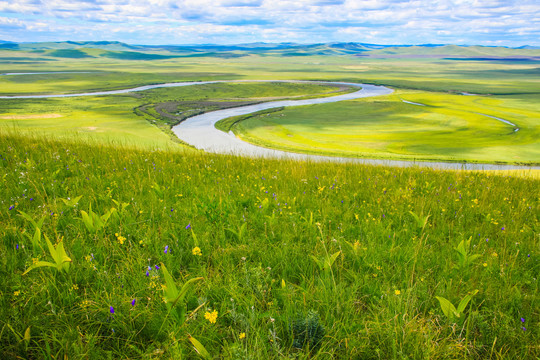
[119, 50]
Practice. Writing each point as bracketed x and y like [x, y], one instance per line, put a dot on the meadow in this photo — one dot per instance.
[119, 242]
[408, 125]
[121, 253]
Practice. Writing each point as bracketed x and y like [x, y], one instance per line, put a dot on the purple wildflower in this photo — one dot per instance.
[157, 267]
[522, 320]
[17, 246]
[11, 207]
[502, 228]
[147, 273]
[112, 310]
[188, 226]
[524, 328]
[166, 249]
[133, 302]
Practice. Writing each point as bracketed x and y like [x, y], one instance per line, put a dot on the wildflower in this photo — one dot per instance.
[133, 302]
[242, 336]
[188, 226]
[522, 320]
[196, 251]
[397, 292]
[502, 228]
[17, 293]
[11, 207]
[166, 249]
[211, 316]
[157, 267]
[524, 328]
[485, 264]
[120, 238]
[112, 310]
[494, 254]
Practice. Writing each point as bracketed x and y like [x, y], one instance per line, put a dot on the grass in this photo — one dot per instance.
[357, 254]
[298, 260]
[450, 127]
[114, 118]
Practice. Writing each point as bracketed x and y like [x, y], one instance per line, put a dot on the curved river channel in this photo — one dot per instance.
[200, 131]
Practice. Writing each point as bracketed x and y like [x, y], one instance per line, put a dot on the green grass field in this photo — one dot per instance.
[118, 242]
[108, 119]
[450, 127]
[364, 257]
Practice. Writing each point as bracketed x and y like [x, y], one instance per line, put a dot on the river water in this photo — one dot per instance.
[200, 131]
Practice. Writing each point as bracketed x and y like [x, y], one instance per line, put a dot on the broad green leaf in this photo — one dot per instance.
[447, 308]
[170, 290]
[27, 335]
[463, 303]
[201, 350]
[185, 288]
[72, 202]
[88, 221]
[38, 265]
[331, 259]
[52, 250]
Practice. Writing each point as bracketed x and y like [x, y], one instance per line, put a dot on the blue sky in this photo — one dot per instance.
[472, 22]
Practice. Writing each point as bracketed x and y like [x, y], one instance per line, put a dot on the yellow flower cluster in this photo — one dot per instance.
[120, 238]
[196, 251]
[211, 316]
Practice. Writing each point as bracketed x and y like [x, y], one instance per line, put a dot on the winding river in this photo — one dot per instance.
[200, 131]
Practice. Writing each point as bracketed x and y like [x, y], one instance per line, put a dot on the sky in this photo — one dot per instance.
[392, 22]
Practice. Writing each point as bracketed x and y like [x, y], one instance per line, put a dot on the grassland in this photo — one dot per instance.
[449, 127]
[357, 254]
[132, 119]
[456, 133]
[278, 259]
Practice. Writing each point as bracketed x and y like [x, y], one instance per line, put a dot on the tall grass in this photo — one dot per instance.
[298, 259]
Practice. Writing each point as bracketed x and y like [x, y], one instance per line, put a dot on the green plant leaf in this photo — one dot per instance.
[88, 221]
[38, 265]
[170, 290]
[27, 335]
[72, 202]
[463, 303]
[330, 260]
[185, 288]
[447, 308]
[201, 350]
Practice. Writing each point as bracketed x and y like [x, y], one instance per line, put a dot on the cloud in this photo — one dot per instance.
[401, 21]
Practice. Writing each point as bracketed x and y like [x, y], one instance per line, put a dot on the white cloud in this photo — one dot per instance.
[516, 21]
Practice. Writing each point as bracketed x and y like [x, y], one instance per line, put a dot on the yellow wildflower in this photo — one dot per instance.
[211, 316]
[120, 238]
[17, 293]
[485, 264]
[397, 292]
[196, 251]
[242, 336]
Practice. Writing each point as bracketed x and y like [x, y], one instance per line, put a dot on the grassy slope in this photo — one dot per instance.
[262, 226]
[448, 127]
